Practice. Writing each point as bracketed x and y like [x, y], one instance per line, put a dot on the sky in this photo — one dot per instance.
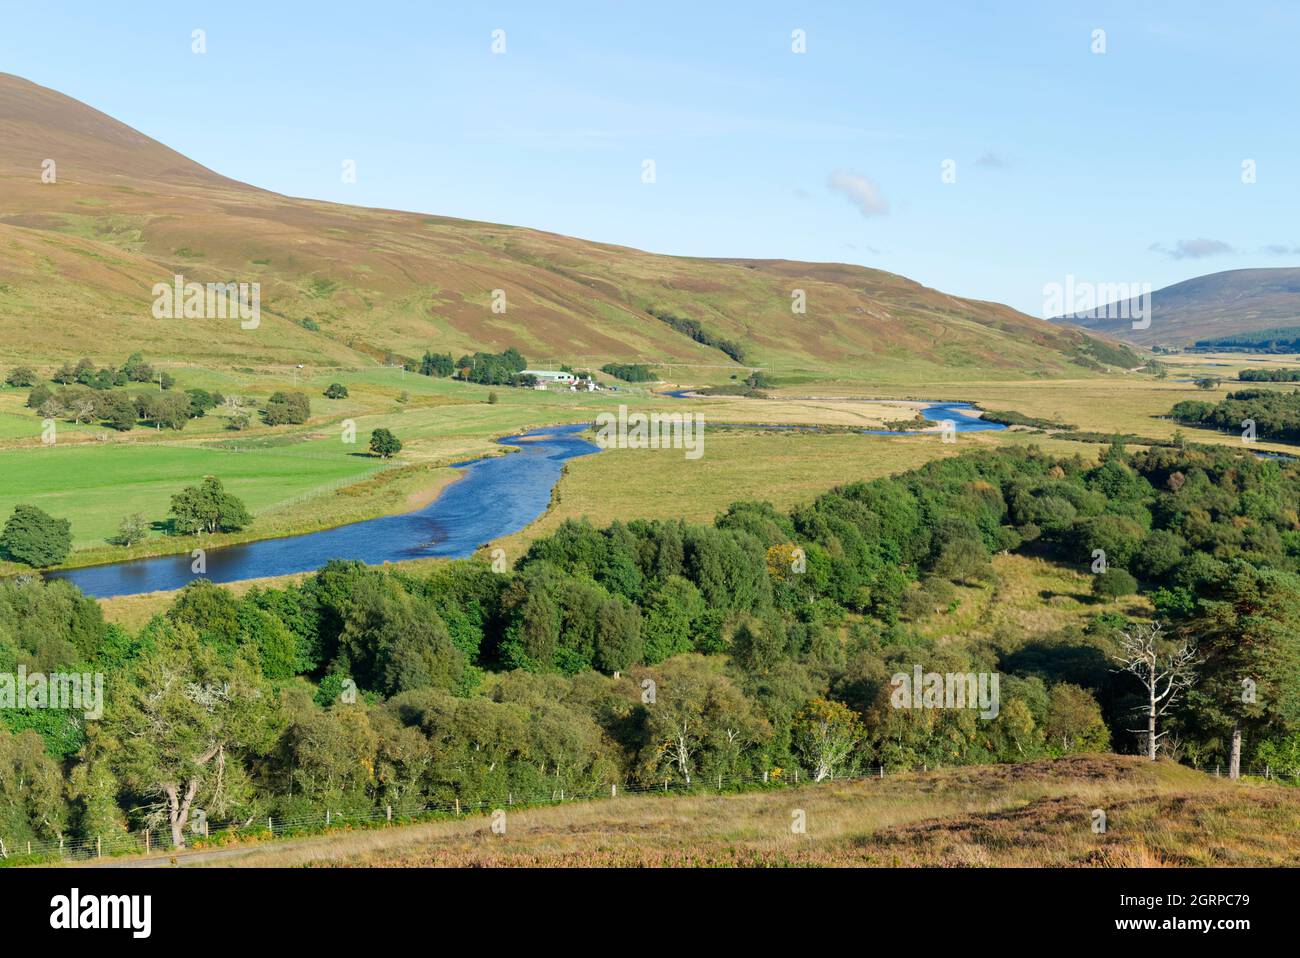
[986, 149]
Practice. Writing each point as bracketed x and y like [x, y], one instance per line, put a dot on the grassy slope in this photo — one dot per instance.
[1035, 814]
[82, 254]
[1218, 304]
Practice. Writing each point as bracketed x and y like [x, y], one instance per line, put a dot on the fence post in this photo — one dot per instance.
[613, 791]
[146, 841]
[457, 806]
[1216, 771]
[327, 818]
[561, 796]
[764, 776]
[4, 852]
[796, 776]
[269, 827]
[882, 771]
[60, 844]
[99, 848]
[719, 783]
[665, 786]
[388, 812]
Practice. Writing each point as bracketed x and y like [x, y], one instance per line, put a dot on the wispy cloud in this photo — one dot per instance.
[992, 161]
[860, 191]
[1281, 249]
[1194, 248]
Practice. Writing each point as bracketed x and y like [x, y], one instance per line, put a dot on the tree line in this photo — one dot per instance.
[1275, 414]
[658, 650]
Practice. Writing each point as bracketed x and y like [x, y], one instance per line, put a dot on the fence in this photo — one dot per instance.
[160, 840]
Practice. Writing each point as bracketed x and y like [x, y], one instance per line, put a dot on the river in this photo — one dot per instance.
[497, 496]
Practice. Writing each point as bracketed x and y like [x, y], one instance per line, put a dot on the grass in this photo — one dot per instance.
[1036, 814]
[781, 467]
[303, 478]
[96, 486]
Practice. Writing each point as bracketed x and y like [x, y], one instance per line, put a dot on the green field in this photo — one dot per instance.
[300, 478]
[97, 485]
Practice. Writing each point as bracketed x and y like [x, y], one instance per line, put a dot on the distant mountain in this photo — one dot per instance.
[1221, 304]
[343, 285]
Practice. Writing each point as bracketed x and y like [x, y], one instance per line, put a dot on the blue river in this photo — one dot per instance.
[964, 416]
[497, 496]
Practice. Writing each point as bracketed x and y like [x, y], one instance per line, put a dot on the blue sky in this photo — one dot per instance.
[1124, 166]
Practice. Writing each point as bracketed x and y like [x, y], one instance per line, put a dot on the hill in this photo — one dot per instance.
[1230, 303]
[344, 285]
[1035, 814]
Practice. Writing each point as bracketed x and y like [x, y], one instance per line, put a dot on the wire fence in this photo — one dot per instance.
[205, 833]
[202, 833]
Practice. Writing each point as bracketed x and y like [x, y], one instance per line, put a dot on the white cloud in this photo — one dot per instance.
[860, 191]
[1194, 248]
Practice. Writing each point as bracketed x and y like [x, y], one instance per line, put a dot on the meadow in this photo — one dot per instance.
[1036, 814]
[302, 478]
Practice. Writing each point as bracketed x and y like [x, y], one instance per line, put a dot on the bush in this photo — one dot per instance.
[22, 377]
[208, 508]
[384, 444]
[630, 372]
[437, 364]
[336, 391]
[35, 537]
[282, 408]
[132, 529]
[1113, 583]
[39, 396]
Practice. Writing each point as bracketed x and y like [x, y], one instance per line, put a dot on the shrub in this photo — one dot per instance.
[35, 537]
[1113, 583]
[22, 377]
[384, 444]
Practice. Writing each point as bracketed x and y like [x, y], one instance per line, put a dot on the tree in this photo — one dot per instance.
[81, 408]
[1164, 671]
[117, 410]
[383, 443]
[134, 528]
[35, 537]
[171, 410]
[211, 611]
[493, 398]
[201, 401]
[1250, 633]
[336, 391]
[826, 734]
[1114, 583]
[699, 723]
[183, 726]
[1074, 721]
[207, 507]
[137, 370]
[23, 377]
[39, 396]
[437, 364]
[282, 407]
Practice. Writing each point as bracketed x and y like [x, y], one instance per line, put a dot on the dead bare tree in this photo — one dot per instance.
[1165, 669]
